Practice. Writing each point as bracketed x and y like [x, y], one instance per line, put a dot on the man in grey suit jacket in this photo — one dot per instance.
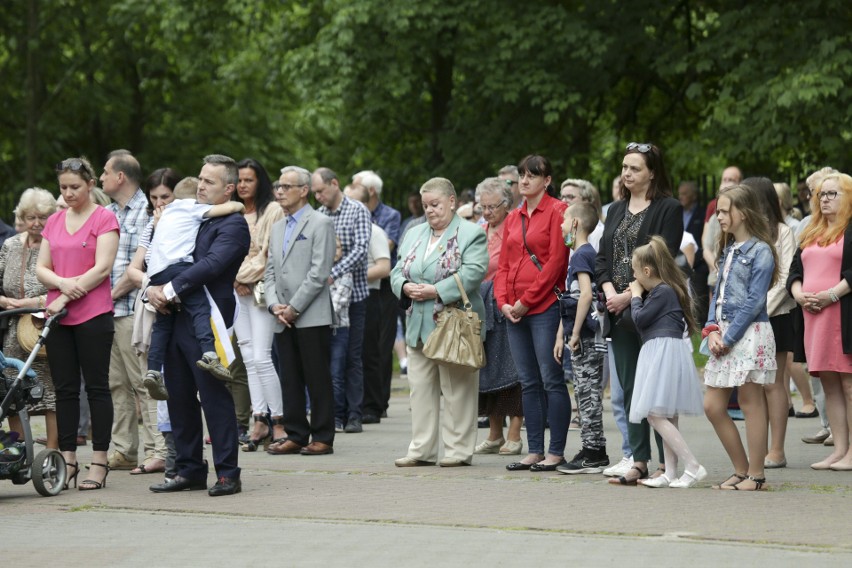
[301, 253]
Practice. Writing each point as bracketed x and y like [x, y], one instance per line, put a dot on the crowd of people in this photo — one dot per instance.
[229, 295]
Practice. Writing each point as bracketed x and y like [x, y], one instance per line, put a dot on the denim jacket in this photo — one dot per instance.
[746, 288]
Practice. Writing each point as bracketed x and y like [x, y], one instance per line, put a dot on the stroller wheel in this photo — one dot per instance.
[49, 473]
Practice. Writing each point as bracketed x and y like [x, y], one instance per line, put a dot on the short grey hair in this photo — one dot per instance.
[232, 173]
[304, 175]
[588, 192]
[35, 201]
[511, 170]
[439, 185]
[495, 186]
[369, 178]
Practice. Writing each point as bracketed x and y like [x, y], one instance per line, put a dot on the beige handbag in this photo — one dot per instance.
[456, 340]
[29, 330]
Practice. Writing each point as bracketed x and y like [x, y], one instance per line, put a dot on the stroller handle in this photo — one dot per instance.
[21, 311]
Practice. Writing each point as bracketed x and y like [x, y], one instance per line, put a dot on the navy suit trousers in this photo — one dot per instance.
[185, 381]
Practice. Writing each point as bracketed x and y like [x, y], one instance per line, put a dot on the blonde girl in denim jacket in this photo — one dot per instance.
[739, 336]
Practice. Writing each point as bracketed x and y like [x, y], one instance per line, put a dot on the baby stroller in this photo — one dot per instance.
[47, 469]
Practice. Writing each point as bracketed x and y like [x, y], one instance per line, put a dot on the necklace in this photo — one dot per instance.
[437, 235]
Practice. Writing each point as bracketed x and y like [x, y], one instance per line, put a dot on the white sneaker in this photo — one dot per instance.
[620, 468]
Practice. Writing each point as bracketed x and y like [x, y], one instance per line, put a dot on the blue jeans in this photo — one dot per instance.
[617, 400]
[347, 370]
[542, 382]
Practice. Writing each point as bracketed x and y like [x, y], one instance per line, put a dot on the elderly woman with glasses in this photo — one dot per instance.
[20, 288]
[645, 208]
[820, 280]
[74, 263]
[499, 385]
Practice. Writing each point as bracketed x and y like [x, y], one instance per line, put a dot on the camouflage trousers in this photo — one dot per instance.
[587, 363]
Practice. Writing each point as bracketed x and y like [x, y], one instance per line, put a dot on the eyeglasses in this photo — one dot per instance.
[288, 187]
[32, 218]
[74, 165]
[830, 195]
[644, 148]
[510, 182]
[491, 208]
[567, 197]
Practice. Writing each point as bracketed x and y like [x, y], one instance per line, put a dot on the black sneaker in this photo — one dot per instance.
[586, 461]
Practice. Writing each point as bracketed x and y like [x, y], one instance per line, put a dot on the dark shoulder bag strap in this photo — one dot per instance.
[533, 257]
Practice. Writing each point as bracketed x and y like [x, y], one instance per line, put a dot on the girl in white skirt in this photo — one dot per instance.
[739, 335]
[667, 383]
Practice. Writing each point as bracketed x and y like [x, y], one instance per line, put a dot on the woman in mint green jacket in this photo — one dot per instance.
[423, 281]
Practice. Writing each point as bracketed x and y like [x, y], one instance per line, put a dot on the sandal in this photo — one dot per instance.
[76, 467]
[264, 440]
[758, 484]
[661, 470]
[643, 474]
[279, 421]
[738, 476]
[144, 468]
[91, 484]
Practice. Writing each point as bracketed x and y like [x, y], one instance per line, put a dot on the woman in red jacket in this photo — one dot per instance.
[533, 262]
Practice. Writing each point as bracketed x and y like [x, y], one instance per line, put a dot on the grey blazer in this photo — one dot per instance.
[300, 277]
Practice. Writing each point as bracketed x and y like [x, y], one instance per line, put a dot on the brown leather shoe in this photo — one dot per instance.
[283, 448]
[317, 449]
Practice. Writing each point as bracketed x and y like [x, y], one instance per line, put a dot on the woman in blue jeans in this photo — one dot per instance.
[533, 261]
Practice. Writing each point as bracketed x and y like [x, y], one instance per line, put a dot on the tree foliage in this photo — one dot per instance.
[416, 88]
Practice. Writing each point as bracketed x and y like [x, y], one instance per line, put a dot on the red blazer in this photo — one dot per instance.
[517, 277]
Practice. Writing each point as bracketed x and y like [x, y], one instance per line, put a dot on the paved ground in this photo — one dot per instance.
[355, 508]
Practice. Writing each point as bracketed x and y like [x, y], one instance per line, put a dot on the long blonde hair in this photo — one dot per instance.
[817, 230]
[656, 256]
[757, 225]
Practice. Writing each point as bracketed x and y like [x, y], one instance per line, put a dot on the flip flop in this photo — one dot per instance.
[145, 468]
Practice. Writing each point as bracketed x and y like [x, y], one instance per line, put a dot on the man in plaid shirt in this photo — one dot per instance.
[120, 181]
[353, 228]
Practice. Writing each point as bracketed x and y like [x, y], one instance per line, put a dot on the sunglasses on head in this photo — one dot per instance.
[644, 148]
[72, 164]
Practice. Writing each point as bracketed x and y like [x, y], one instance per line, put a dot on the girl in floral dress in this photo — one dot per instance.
[739, 336]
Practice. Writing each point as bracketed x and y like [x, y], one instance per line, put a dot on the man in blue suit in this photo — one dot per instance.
[221, 245]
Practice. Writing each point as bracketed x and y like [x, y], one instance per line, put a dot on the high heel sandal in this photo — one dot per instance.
[264, 440]
[91, 484]
[76, 466]
[277, 422]
[758, 484]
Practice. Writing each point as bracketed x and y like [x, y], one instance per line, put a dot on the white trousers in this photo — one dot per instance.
[427, 382]
[254, 328]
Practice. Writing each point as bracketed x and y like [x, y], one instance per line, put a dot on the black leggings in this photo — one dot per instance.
[71, 349]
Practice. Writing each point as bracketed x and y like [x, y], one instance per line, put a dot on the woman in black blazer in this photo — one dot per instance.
[645, 208]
